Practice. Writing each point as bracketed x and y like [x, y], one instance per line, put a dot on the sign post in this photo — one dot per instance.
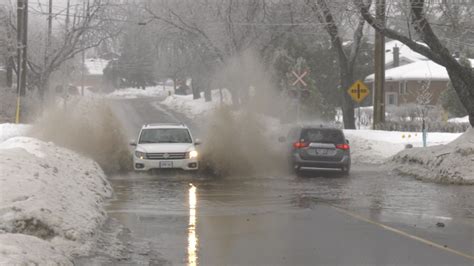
[299, 80]
[358, 91]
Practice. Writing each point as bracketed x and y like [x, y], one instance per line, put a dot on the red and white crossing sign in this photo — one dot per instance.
[299, 78]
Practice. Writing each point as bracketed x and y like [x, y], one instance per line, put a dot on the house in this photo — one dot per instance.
[93, 74]
[406, 73]
[404, 83]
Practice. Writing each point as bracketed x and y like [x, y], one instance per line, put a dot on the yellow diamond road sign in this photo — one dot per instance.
[358, 91]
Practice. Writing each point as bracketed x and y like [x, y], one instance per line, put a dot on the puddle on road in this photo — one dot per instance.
[176, 211]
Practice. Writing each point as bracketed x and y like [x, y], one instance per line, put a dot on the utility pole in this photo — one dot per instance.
[83, 55]
[68, 6]
[19, 57]
[24, 60]
[50, 28]
[49, 33]
[10, 60]
[379, 81]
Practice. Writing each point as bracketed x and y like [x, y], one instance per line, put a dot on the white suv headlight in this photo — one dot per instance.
[140, 154]
[192, 154]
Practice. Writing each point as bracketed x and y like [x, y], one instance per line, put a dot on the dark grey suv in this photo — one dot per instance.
[318, 148]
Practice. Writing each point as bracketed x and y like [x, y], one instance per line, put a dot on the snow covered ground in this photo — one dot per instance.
[51, 200]
[196, 108]
[131, 93]
[464, 119]
[11, 130]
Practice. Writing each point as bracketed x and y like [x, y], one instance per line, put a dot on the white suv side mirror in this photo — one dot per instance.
[197, 142]
[133, 142]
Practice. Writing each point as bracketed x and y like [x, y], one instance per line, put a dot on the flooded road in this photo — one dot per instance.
[371, 217]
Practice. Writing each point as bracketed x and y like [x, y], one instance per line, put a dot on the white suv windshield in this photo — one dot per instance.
[165, 135]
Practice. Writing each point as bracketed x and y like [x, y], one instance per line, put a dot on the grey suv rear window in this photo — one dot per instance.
[322, 135]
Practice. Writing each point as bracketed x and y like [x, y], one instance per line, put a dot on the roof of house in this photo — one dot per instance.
[405, 52]
[421, 70]
[95, 66]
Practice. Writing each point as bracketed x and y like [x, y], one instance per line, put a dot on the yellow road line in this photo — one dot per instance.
[17, 116]
[394, 230]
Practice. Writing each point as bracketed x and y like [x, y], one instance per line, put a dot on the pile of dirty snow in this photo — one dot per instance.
[377, 146]
[450, 163]
[51, 202]
[19, 249]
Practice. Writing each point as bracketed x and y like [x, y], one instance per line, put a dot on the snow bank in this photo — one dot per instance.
[376, 146]
[450, 163]
[17, 249]
[191, 108]
[51, 202]
[131, 93]
[11, 130]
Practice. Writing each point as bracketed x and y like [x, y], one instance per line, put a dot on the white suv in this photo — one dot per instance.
[165, 146]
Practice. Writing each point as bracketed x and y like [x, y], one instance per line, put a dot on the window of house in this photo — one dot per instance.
[391, 99]
[402, 88]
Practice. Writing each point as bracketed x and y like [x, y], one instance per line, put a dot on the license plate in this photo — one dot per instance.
[318, 152]
[166, 164]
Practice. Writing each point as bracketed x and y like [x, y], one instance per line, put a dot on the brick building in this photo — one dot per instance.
[406, 72]
[403, 83]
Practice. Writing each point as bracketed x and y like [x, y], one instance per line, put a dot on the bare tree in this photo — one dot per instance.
[223, 29]
[346, 60]
[87, 27]
[462, 77]
[6, 44]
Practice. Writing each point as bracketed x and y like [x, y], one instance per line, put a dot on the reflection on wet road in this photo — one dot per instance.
[192, 238]
[285, 219]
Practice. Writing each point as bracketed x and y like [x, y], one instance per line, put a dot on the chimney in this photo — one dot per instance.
[396, 56]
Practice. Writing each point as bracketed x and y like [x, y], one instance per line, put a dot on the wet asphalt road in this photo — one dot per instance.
[372, 217]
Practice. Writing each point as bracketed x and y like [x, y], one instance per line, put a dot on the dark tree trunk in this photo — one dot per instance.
[196, 85]
[174, 84]
[196, 92]
[463, 89]
[9, 74]
[346, 62]
[235, 97]
[43, 86]
[207, 94]
[347, 103]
